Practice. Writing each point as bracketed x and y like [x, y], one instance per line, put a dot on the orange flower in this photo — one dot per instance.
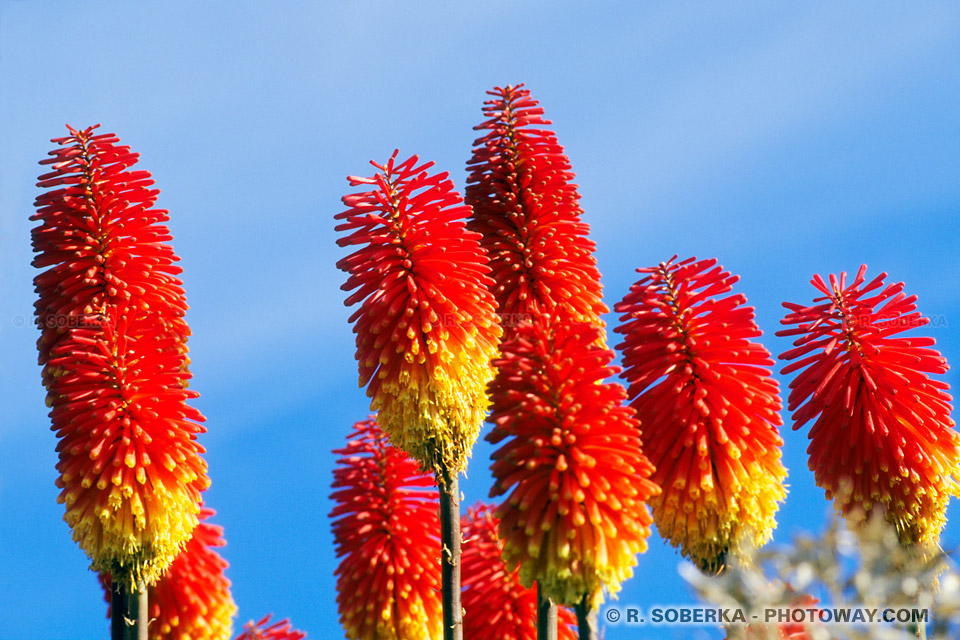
[882, 437]
[708, 408]
[114, 356]
[496, 605]
[386, 527]
[527, 210]
[426, 327]
[282, 630]
[192, 600]
[570, 464]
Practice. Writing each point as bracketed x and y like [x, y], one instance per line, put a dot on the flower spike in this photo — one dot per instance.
[426, 326]
[496, 604]
[386, 531]
[263, 630]
[527, 210]
[570, 464]
[708, 408]
[192, 599]
[882, 437]
[114, 356]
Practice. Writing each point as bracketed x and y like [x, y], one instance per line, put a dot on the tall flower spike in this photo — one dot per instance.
[263, 630]
[570, 463]
[114, 356]
[528, 212]
[385, 527]
[882, 436]
[708, 408]
[496, 604]
[426, 327]
[192, 600]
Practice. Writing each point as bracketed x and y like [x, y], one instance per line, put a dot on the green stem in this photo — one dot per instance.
[118, 606]
[586, 621]
[129, 614]
[450, 554]
[546, 616]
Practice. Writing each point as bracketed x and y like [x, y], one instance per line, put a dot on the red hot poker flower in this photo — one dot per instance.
[882, 436]
[192, 599]
[263, 630]
[527, 210]
[426, 327]
[570, 464]
[114, 356]
[708, 408]
[386, 527]
[496, 605]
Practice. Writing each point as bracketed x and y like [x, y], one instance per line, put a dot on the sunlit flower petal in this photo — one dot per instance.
[495, 604]
[882, 437]
[570, 464]
[527, 209]
[708, 408]
[386, 528]
[114, 356]
[426, 326]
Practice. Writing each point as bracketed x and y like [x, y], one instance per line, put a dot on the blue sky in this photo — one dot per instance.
[785, 140]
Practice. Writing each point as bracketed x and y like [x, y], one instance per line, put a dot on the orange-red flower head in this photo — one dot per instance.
[386, 528]
[192, 600]
[263, 630]
[426, 327]
[114, 356]
[570, 464]
[495, 604]
[708, 408]
[527, 209]
[882, 437]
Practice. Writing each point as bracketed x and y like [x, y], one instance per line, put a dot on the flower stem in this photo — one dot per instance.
[586, 620]
[546, 616]
[450, 554]
[129, 611]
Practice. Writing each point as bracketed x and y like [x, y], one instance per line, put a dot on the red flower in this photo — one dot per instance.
[528, 211]
[570, 464]
[426, 327]
[386, 527]
[784, 630]
[708, 408]
[192, 600]
[114, 356]
[496, 605]
[282, 630]
[882, 436]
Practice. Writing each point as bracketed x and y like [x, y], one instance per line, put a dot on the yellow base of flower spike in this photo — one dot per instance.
[707, 523]
[436, 416]
[114, 531]
[569, 563]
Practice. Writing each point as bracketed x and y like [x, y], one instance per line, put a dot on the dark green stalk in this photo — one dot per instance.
[586, 620]
[129, 611]
[450, 554]
[546, 616]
